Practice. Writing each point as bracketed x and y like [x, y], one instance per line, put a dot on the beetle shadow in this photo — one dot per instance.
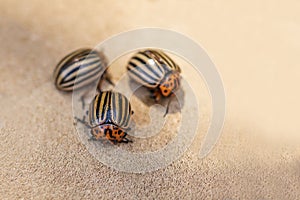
[144, 95]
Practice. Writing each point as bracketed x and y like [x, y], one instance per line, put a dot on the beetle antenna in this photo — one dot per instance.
[167, 110]
[126, 140]
[82, 121]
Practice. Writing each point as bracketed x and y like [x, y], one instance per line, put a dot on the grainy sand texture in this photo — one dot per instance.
[255, 46]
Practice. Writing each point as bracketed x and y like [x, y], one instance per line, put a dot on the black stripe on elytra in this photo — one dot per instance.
[78, 68]
[165, 63]
[84, 79]
[146, 54]
[77, 82]
[114, 106]
[119, 110]
[138, 75]
[148, 66]
[97, 69]
[142, 78]
[70, 59]
[142, 71]
[76, 59]
[133, 72]
[125, 111]
[85, 54]
[167, 59]
[62, 65]
[104, 105]
[109, 109]
[100, 98]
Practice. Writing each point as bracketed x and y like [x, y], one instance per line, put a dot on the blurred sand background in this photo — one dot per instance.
[254, 44]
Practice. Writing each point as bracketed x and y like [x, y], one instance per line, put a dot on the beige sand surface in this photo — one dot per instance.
[255, 46]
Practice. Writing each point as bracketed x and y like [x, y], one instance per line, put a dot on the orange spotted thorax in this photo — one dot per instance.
[170, 83]
[110, 131]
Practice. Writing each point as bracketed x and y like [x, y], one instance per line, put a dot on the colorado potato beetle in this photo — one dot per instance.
[84, 64]
[109, 116]
[156, 71]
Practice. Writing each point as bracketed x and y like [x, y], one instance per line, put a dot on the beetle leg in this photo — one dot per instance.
[82, 121]
[82, 100]
[152, 93]
[167, 110]
[155, 94]
[125, 140]
[92, 138]
[112, 141]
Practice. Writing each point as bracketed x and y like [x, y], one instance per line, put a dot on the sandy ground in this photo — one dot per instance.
[255, 46]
